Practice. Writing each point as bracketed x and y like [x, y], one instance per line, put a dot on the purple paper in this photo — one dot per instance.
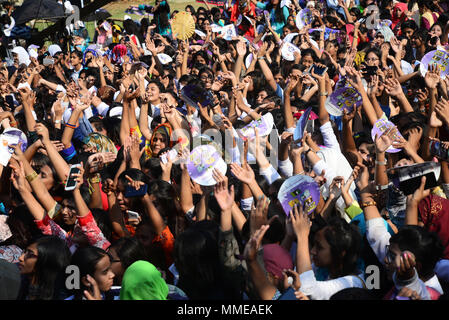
[382, 125]
[343, 98]
[201, 162]
[20, 134]
[435, 57]
[299, 189]
[264, 125]
[301, 125]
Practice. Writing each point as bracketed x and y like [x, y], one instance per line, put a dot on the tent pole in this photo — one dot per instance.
[38, 10]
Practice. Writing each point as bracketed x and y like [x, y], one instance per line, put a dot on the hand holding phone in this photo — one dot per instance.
[72, 179]
[135, 188]
[319, 70]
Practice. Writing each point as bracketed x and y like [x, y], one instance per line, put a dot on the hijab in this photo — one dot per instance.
[22, 55]
[142, 281]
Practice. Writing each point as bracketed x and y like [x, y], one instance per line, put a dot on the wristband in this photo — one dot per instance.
[324, 94]
[381, 163]
[31, 177]
[381, 188]
[70, 126]
[58, 121]
[261, 58]
[368, 204]
[13, 123]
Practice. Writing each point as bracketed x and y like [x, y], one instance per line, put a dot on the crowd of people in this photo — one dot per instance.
[130, 103]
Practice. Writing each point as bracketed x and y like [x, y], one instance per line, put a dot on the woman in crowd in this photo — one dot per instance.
[300, 95]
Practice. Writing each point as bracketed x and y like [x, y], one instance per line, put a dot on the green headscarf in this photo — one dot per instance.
[142, 281]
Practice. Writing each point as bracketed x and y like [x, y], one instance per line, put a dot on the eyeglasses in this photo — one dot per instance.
[28, 254]
[379, 36]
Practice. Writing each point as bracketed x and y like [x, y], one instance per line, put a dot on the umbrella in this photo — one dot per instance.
[38, 9]
[100, 14]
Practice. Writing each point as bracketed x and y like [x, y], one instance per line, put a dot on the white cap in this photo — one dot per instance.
[54, 49]
[126, 17]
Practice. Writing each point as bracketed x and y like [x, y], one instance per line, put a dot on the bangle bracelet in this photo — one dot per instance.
[261, 58]
[324, 94]
[31, 177]
[367, 204]
[95, 179]
[13, 123]
[381, 163]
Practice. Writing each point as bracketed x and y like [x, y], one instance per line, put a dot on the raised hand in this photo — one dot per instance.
[224, 197]
[300, 222]
[241, 48]
[442, 110]
[432, 77]
[253, 245]
[244, 173]
[383, 142]
[336, 186]
[42, 131]
[421, 192]
[259, 214]
[79, 177]
[393, 87]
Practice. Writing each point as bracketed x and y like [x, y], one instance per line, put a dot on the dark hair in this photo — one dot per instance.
[162, 14]
[343, 237]
[354, 294]
[52, 260]
[196, 258]
[22, 226]
[86, 260]
[128, 250]
[78, 53]
[112, 127]
[420, 33]
[409, 24]
[168, 205]
[424, 244]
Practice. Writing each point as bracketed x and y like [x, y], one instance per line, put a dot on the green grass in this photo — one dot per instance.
[117, 10]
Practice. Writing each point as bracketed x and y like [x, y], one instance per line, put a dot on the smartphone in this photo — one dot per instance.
[411, 185]
[371, 70]
[433, 41]
[10, 101]
[131, 192]
[438, 150]
[127, 39]
[71, 182]
[132, 215]
[288, 295]
[318, 70]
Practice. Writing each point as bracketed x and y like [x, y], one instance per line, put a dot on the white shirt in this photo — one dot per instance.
[323, 290]
[378, 237]
[334, 163]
